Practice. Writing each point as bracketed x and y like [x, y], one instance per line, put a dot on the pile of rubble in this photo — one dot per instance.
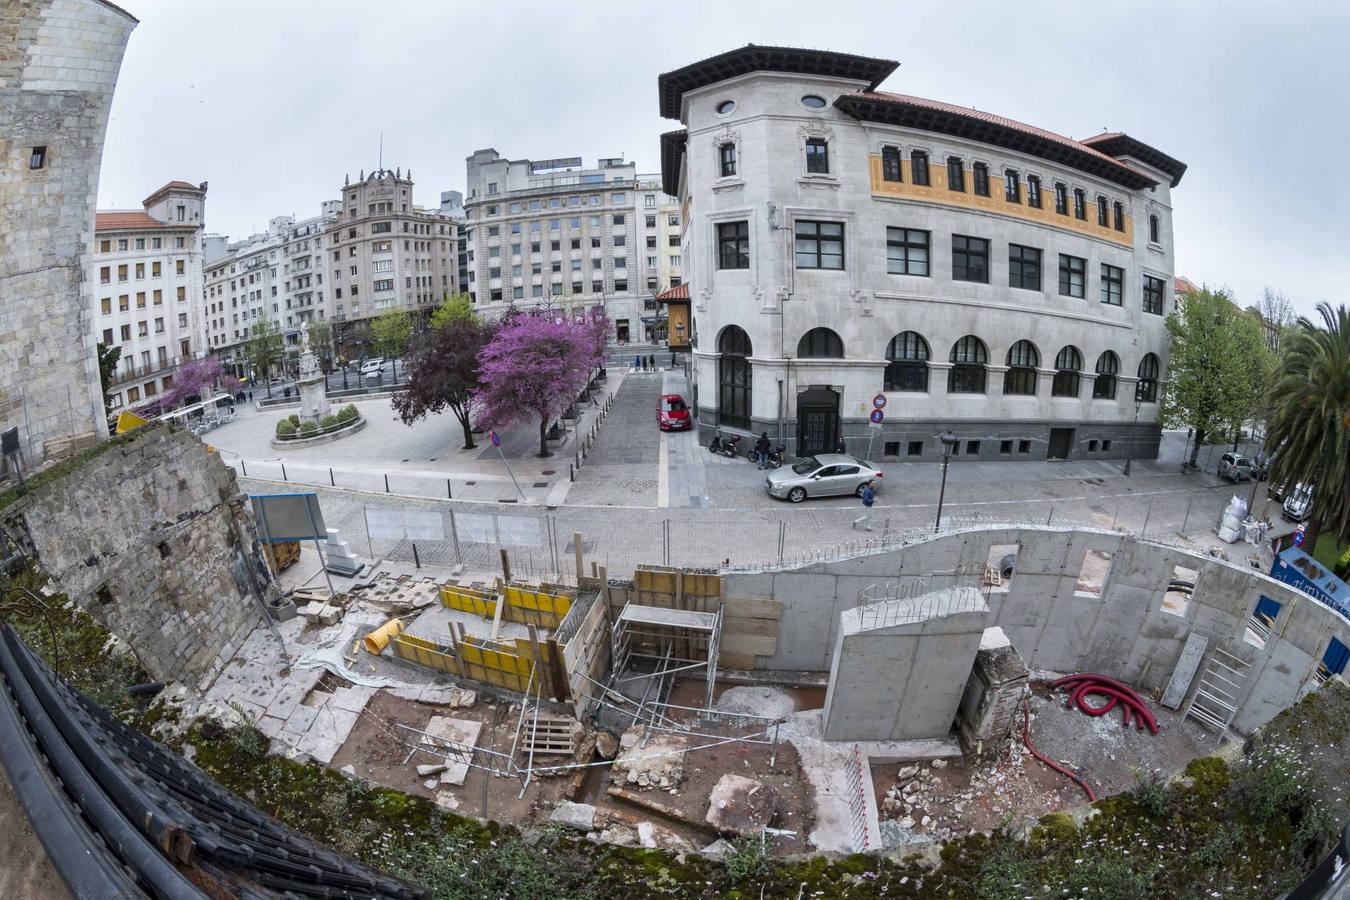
[910, 796]
[654, 763]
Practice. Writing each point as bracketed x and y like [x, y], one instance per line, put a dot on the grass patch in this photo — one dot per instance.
[1329, 549]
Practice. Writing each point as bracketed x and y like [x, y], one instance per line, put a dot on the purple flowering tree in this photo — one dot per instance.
[535, 365]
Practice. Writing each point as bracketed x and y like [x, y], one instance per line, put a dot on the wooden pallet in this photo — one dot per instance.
[556, 735]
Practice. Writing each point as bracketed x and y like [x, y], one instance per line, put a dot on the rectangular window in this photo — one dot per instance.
[733, 245]
[1024, 267]
[819, 245]
[1024, 446]
[106, 305]
[890, 448]
[970, 259]
[915, 448]
[105, 275]
[154, 270]
[1153, 295]
[956, 174]
[37, 158]
[1005, 448]
[123, 302]
[140, 299]
[179, 267]
[918, 167]
[817, 156]
[1061, 198]
[121, 273]
[981, 172]
[1012, 186]
[906, 251]
[1079, 204]
[1113, 284]
[1034, 191]
[1153, 229]
[890, 164]
[1118, 210]
[1072, 276]
[1103, 219]
[726, 160]
[972, 448]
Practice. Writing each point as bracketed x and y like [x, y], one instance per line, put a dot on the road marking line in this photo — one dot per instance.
[663, 473]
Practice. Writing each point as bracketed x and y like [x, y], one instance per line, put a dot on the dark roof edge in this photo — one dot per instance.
[1120, 144]
[673, 85]
[1089, 160]
[672, 153]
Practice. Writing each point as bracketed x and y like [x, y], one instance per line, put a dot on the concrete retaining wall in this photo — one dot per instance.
[1123, 632]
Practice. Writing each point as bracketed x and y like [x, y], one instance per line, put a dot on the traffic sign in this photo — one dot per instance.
[496, 438]
[877, 416]
[879, 401]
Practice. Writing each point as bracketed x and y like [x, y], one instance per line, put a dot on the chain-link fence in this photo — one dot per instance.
[542, 545]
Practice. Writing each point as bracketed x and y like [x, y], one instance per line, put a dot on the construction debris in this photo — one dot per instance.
[657, 762]
[741, 806]
[580, 816]
[606, 745]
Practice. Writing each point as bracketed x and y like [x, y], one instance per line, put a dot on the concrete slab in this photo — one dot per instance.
[461, 731]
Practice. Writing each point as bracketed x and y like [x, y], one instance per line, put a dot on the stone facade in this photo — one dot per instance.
[877, 180]
[59, 61]
[146, 537]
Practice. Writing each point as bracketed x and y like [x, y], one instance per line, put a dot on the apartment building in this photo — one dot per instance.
[383, 252]
[661, 263]
[859, 258]
[553, 231]
[146, 276]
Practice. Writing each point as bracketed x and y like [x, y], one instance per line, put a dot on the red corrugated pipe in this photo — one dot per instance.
[1026, 739]
[1133, 707]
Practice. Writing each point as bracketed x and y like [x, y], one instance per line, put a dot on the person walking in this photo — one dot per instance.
[869, 496]
[637, 363]
[840, 447]
[651, 361]
[762, 447]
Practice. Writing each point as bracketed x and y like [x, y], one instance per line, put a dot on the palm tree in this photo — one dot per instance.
[1311, 421]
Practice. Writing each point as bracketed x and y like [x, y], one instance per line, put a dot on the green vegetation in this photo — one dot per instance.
[62, 469]
[348, 413]
[307, 429]
[458, 308]
[285, 429]
[328, 422]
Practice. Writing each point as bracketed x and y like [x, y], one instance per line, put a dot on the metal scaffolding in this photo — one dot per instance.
[674, 640]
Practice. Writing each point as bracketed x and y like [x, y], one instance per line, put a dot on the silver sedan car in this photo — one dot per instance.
[823, 475]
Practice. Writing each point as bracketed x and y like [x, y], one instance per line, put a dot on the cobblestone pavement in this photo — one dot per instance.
[622, 468]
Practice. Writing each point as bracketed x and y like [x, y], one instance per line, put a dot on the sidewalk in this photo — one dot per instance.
[426, 459]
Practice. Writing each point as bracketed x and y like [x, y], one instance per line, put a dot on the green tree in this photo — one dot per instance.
[263, 349]
[453, 309]
[1310, 427]
[321, 341]
[108, 358]
[390, 332]
[1219, 365]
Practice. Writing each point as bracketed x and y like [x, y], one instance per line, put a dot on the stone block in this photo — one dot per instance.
[580, 816]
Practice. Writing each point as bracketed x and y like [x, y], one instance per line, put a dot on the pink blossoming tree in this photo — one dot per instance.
[536, 365]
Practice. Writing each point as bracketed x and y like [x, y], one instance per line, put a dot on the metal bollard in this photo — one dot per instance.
[417, 561]
[283, 471]
[571, 473]
[331, 482]
[448, 495]
[386, 482]
[243, 466]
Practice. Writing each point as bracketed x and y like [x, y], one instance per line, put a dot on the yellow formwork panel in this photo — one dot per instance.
[468, 600]
[547, 609]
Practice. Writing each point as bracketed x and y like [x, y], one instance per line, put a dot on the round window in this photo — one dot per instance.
[812, 101]
[725, 107]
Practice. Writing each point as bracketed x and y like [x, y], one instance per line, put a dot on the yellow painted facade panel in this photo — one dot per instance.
[936, 192]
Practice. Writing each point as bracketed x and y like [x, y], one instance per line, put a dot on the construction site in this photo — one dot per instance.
[936, 688]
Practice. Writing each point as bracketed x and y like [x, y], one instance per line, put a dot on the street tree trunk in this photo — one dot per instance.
[463, 416]
[543, 438]
[1195, 449]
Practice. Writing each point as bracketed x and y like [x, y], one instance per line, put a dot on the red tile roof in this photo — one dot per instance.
[125, 220]
[1183, 285]
[1117, 143]
[678, 292]
[174, 186]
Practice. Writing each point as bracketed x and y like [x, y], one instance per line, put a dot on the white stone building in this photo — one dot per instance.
[551, 231]
[58, 69]
[660, 219]
[146, 276]
[974, 273]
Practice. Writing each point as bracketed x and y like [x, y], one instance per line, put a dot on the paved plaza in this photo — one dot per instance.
[643, 495]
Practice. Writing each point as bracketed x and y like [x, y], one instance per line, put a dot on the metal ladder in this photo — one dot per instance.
[1214, 703]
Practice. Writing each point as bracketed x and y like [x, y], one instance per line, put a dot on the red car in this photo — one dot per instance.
[672, 413]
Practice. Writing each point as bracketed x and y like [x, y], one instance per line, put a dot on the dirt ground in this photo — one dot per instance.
[965, 796]
[377, 750]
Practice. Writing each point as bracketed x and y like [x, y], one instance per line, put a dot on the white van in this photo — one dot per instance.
[372, 367]
[1298, 502]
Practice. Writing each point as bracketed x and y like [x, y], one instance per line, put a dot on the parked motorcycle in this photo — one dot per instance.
[725, 446]
[775, 456]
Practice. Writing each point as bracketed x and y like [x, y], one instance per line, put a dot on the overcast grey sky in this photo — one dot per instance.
[274, 101]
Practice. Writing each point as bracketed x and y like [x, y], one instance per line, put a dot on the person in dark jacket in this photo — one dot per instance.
[839, 447]
[869, 497]
[762, 447]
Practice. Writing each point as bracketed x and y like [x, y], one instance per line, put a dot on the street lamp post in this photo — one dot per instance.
[949, 442]
[1129, 444]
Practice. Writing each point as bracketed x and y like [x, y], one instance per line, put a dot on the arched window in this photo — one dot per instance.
[1146, 389]
[820, 343]
[1021, 375]
[1068, 364]
[907, 366]
[733, 378]
[1104, 385]
[967, 374]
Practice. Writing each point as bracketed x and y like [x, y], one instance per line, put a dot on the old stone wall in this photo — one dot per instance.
[153, 539]
[59, 61]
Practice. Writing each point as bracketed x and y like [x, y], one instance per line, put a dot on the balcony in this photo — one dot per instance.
[135, 373]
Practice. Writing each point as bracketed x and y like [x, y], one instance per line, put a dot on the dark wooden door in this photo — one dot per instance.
[817, 421]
